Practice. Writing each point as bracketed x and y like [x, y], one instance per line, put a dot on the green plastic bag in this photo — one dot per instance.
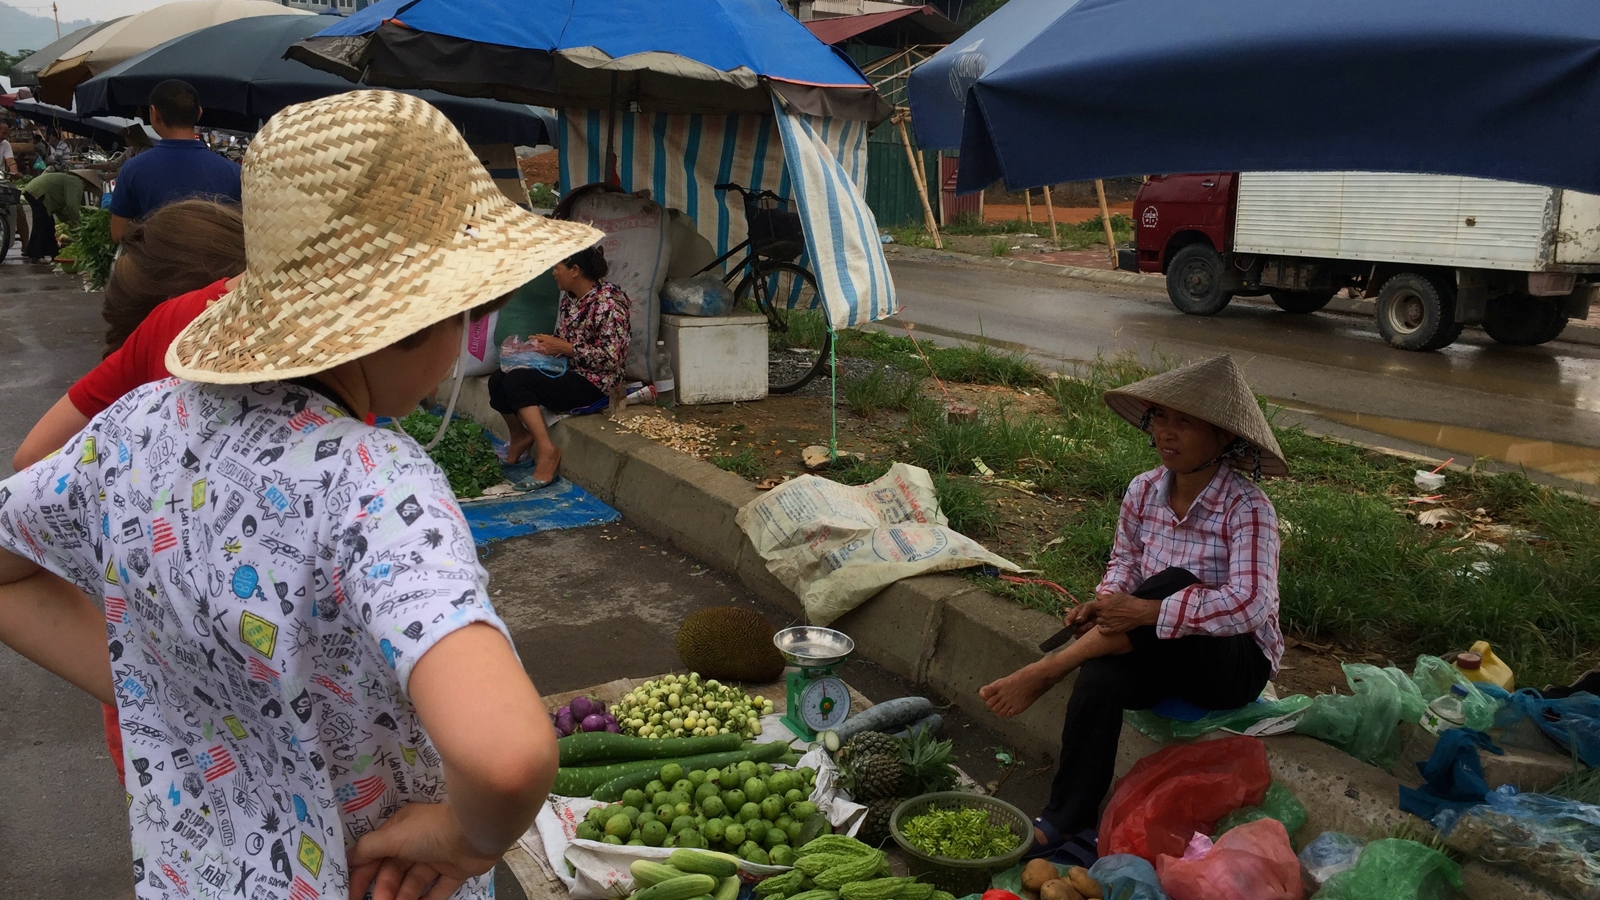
[1280, 803]
[1168, 731]
[1393, 869]
[1365, 723]
[1434, 678]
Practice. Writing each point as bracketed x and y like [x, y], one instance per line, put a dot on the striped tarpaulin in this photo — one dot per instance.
[679, 158]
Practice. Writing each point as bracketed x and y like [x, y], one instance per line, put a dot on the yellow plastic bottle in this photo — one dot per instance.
[1480, 664]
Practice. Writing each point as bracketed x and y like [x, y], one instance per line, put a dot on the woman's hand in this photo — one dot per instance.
[420, 852]
[1083, 617]
[552, 345]
[1121, 613]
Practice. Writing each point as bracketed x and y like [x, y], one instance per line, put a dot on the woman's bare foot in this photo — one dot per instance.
[548, 464]
[518, 447]
[1013, 694]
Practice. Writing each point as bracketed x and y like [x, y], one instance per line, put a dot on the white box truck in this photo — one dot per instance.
[1436, 252]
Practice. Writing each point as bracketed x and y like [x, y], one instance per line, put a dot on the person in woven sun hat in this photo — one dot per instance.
[314, 693]
[1186, 619]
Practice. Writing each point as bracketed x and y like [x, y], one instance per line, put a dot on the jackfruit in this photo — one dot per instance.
[729, 643]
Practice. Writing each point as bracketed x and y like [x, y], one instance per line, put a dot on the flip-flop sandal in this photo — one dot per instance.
[1077, 850]
[533, 484]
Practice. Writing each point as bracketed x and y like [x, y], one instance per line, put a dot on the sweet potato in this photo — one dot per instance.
[1059, 889]
[1037, 872]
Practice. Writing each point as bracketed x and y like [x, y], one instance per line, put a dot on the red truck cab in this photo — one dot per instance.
[1173, 211]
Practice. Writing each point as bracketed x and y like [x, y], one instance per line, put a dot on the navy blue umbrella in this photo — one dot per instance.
[1049, 91]
[239, 72]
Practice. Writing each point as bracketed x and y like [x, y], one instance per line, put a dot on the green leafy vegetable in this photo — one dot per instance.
[91, 250]
[958, 834]
[465, 454]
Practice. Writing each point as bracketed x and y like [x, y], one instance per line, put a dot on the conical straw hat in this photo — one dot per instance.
[366, 219]
[1212, 390]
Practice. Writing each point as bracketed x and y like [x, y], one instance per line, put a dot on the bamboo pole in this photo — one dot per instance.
[922, 175]
[1050, 210]
[928, 221]
[1027, 204]
[1105, 220]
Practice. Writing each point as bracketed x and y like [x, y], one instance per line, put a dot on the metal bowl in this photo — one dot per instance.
[811, 646]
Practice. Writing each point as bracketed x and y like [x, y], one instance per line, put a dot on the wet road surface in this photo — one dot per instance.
[1539, 406]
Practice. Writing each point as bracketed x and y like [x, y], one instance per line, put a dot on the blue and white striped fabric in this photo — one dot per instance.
[827, 160]
[679, 158]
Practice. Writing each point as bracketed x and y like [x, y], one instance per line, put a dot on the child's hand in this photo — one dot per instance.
[420, 853]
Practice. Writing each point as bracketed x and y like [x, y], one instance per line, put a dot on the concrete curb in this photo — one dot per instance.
[1576, 332]
[944, 632]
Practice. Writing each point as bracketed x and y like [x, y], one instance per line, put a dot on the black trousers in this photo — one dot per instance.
[1214, 673]
[42, 238]
[518, 388]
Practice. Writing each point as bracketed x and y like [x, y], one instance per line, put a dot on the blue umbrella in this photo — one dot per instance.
[1049, 91]
[682, 56]
[239, 72]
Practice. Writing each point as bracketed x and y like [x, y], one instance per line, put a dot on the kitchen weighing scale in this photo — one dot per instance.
[817, 699]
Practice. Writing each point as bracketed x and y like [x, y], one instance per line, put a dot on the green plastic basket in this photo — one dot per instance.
[961, 876]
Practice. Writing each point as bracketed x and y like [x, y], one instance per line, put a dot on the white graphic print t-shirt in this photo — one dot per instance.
[272, 569]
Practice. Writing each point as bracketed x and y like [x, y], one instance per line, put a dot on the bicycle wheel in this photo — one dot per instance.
[797, 326]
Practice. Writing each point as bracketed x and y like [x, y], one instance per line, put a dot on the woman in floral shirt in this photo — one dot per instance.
[591, 335]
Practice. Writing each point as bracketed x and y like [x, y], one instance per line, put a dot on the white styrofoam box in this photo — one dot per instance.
[717, 359]
[1384, 216]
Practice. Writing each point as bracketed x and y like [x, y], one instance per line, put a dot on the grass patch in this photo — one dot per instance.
[744, 463]
[967, 504]
[999, 247]
[1071, 236]
[979, 363]
[910, 235]
[883, 388]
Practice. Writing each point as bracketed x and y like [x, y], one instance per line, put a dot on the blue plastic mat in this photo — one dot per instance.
[559, 506]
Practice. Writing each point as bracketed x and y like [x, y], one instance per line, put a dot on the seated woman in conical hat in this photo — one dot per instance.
[1188, 608]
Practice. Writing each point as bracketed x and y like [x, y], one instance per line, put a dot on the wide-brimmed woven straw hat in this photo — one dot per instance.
[366, 219]
[95, 179]
[1212, 390]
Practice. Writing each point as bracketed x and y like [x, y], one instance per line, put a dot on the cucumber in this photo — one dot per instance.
[727, 889]
[612, 790]
[888, 716]
[648, 872]
[702, 864]
[592, 747]
[683, 887]
[582, 781]
[930, 723]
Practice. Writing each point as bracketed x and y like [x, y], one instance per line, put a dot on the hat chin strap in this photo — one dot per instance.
[1238, 448]
[455, 392]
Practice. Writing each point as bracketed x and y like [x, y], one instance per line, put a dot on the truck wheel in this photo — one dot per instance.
[1194, 281]
[1523, 321]
[1301, 302]
[1417, 313]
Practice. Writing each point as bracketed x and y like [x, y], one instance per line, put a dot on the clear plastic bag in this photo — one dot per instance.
[1123, 876]
[1328, 854]
[1280, 803]
[699, 295]
[1251, 862]
[1393, 869]
[1433, 678]
[1365, 724]
[1573, 722]
[1553, 840]
[1177, 791]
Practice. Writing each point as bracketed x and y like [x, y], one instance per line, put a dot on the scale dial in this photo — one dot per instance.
[824, 703]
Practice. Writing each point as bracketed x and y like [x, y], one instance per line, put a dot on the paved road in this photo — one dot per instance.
[1322, 362]
[584, 607]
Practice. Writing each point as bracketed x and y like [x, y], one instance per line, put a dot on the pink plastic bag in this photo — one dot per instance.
[1251, 862]
[1173, 793]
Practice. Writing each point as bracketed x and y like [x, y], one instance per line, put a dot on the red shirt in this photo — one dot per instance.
[143, 357]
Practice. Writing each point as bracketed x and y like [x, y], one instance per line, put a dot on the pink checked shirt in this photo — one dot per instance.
[1228, 539]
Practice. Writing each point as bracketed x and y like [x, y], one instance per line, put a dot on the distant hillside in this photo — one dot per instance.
[20, 30]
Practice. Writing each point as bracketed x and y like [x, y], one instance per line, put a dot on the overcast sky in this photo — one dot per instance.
[88, 9]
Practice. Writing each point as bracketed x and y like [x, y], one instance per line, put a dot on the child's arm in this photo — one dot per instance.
[49, 621]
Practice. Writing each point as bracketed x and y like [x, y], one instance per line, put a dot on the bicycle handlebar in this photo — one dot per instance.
[730, 186]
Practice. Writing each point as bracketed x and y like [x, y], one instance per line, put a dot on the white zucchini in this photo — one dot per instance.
[888, 716]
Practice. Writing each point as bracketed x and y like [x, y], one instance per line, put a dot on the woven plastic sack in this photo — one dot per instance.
[1330, 853]
[1177, 791]
[1280, 803]
[1393, 869]
[1126, 877]
[1251, 862]
[1365, 723]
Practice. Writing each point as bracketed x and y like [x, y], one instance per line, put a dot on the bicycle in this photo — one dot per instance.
[772, 283]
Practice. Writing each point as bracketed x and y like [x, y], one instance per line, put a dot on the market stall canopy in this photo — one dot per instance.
[26, 73]
[1049, 91]
[895, 28]
[107, 131]
[691, 56]
[239, 72]
[137, 33]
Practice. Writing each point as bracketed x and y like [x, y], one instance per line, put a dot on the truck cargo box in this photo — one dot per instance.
[1442, 220]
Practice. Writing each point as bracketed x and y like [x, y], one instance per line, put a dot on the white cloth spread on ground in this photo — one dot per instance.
[271, 570]
[836, 545]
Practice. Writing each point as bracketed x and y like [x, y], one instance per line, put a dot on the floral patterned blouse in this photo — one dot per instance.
[596, 325]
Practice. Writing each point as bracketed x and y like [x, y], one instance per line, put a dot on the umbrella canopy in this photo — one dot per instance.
[107, 131]
[26, 73]
[239, 72]
[715, 56]
[1068, 90]
[138, 33]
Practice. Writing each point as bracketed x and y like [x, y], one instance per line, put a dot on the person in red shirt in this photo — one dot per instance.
[194, 249]
[185, 252]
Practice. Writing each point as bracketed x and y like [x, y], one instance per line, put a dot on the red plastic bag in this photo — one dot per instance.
[1251, 862]
[1173, 793]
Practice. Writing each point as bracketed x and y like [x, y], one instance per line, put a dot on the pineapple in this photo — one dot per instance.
[869, 743]
[872, 767]
[875, 827]
[925, 763]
